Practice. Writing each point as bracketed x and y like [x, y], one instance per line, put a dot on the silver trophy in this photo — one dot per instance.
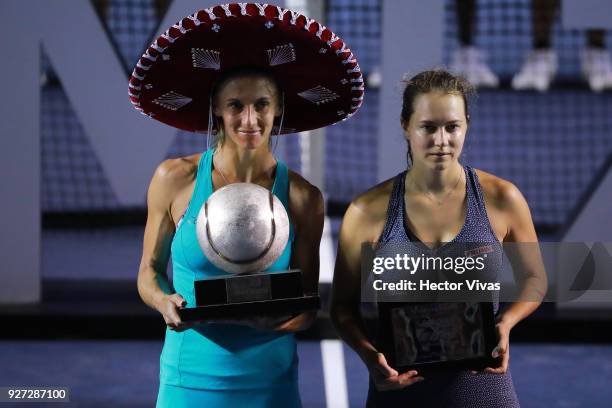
[243, 229]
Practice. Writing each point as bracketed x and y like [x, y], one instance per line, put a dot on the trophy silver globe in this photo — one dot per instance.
[242, 228]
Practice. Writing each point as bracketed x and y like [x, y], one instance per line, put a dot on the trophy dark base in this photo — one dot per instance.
[287, 306]
[440, 367]
[483, 328]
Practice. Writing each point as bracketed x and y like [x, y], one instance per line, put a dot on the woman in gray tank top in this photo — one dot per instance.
[436, 202]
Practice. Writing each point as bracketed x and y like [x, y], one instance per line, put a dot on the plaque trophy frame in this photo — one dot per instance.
[434, 337]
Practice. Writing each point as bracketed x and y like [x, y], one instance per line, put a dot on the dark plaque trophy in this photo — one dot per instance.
[243, 229]
[437, 336]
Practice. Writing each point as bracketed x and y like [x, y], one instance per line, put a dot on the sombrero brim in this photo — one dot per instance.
[320, 76]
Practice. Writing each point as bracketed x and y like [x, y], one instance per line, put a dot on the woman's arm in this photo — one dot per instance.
[356, 228]
[346, 290]
[307, 215]
[153, 286]
[524, 255]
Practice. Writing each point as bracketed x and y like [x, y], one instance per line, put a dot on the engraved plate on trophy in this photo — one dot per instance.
[255, 287]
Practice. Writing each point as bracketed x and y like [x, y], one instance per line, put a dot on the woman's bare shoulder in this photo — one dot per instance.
[365, 217]
[499, 192]
[172, 177]
[300, 185]
[303, 196]
[374, 202]
[177, 172]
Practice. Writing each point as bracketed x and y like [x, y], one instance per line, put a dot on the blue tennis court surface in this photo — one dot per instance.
[125, 373]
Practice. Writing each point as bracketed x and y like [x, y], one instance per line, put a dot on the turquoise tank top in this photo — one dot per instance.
[215, 355]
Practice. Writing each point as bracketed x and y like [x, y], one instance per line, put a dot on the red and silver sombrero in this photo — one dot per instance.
[320, 76]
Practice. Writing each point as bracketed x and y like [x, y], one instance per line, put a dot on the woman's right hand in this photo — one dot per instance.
[385, 377]
[168, 307]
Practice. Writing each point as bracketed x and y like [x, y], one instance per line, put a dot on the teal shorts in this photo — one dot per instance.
[285, 396]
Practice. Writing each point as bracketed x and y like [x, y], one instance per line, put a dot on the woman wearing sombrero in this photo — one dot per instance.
[243, 72]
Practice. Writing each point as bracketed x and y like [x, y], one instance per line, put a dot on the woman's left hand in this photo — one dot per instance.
[501, 352]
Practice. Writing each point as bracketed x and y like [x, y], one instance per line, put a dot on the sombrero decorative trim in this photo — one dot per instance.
[320, 76]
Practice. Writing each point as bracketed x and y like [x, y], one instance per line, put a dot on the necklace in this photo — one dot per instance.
[431, 197]
[220, 172]
[218, 168]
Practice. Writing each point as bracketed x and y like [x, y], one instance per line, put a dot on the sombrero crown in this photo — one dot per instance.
[320, 76]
